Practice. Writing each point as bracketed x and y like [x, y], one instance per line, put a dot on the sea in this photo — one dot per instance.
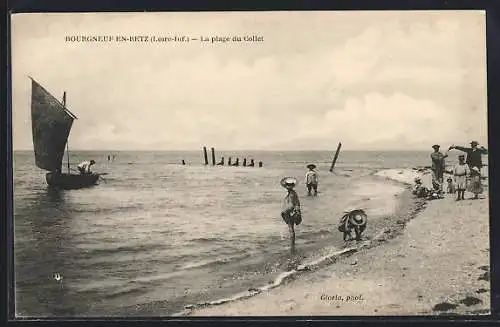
[156, 235]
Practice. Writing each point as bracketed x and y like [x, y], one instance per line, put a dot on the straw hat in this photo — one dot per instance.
[358, 217]
[436, 146]
[288, 181]
[474, 143]
[476, 169]
[311, 166]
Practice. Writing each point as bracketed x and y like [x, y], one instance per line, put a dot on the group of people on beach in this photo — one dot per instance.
[466, 173]
[466, 176]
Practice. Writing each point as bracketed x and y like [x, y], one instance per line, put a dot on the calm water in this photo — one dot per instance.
[155, 235]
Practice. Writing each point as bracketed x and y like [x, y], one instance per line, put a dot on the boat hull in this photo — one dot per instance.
[71, 181]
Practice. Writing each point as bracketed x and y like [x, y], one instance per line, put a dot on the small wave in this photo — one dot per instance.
[125, 248]
[405, 176]
[207, 240]
[213, 262]
[125, 291]
[119, 209]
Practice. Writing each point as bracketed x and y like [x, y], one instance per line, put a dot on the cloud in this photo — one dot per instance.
[378, 121]
[399, 81]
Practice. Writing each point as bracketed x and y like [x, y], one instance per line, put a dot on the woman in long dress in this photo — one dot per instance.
[460, 173]
[475, 187]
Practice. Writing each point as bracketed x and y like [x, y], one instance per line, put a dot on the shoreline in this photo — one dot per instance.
[392, 225]
[292, 295]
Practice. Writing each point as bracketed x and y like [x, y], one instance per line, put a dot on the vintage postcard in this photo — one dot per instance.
[250, 164]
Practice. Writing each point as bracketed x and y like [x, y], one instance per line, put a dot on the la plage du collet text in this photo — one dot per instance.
[155, 38]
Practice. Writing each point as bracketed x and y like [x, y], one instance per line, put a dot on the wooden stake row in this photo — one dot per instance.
[229, 163]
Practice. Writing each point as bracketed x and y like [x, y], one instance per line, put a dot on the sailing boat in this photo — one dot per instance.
[51, 125]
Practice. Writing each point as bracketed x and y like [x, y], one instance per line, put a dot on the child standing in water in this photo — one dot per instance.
[311, 180]
[290, 211]
[460, 173]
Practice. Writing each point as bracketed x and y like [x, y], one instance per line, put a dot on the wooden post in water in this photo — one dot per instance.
[205, 155]
[213, 157]
[335, 157]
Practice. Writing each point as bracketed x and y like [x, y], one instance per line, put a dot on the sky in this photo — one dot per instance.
[371, 80]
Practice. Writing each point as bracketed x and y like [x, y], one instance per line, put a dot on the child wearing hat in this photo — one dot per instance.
[311, 180]
[460, 172]
[420, 190]
[290, 211]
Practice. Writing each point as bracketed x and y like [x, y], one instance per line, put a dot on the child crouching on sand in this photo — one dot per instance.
[460, 172]
[419, 190]
[290, 211]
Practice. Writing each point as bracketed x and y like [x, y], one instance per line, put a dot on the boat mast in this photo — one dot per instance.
[67, 140]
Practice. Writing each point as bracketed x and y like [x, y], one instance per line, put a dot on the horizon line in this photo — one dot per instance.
[235, 150]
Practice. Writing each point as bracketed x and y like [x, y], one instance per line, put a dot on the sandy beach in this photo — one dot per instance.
[435, 261]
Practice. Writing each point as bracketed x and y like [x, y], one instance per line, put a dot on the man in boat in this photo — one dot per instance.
[84, 167]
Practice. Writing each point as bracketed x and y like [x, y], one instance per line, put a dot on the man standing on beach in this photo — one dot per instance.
[290, 211]
[438, 167]
[473, 154]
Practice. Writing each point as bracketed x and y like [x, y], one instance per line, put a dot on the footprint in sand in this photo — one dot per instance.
[481, 290]
[485, 277]
[470, 300]
[289, 305]
[444, 306]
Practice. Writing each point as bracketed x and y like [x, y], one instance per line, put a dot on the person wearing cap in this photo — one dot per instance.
[84, 167]
[438, 167]
[474, 154]
[460, 172]
[290, 211]
[311, 180]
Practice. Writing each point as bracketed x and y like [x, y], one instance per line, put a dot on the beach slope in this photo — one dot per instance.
[438, 265]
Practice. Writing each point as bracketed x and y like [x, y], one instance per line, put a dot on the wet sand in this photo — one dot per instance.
[434, 260]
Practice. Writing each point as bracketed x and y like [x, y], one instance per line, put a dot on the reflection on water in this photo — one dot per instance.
[54, 196]
[43, 251]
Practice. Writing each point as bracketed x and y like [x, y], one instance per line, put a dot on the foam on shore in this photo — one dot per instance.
[405, 176]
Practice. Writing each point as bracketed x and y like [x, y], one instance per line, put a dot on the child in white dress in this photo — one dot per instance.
[460, 172]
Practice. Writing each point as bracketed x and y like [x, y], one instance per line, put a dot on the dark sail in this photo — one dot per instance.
[51, 125]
